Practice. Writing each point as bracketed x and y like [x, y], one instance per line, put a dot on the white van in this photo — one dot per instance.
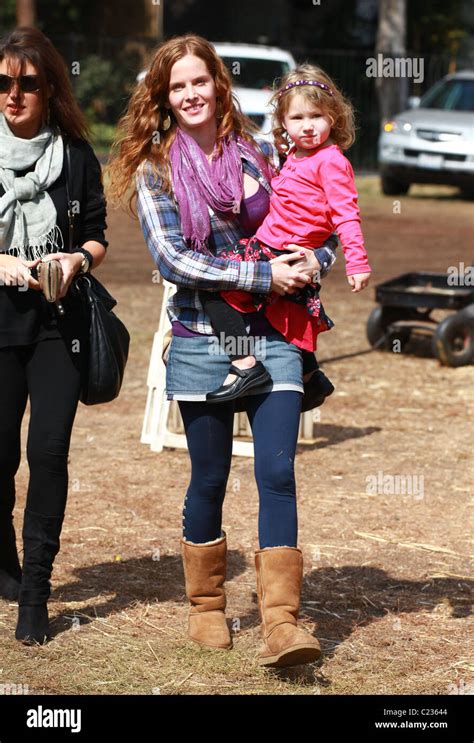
[254, 68]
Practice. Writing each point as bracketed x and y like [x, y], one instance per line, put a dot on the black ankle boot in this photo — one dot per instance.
[10, 570]
[33, 625]
[41, 545]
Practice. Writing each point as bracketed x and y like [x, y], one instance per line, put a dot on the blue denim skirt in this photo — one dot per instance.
[199, 364]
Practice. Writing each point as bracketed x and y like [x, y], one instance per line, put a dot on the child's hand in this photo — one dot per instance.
[358, 281]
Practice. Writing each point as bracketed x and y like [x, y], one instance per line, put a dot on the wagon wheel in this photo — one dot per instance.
[378, 333]
[453, 340]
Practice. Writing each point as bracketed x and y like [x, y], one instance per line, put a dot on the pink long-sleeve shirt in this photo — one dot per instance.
[311, 197]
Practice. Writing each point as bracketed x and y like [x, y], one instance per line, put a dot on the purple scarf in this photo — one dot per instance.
[198, 183]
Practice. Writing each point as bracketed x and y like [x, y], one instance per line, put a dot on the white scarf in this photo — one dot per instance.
[27, 214]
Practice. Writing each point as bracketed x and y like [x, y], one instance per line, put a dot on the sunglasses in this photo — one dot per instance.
[26, 83]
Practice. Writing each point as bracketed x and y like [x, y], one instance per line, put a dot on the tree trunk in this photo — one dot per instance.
[25, 12]
[391, 42]
[160, 32]
[153, 26]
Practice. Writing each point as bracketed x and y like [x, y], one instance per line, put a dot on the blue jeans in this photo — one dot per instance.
[274, 418]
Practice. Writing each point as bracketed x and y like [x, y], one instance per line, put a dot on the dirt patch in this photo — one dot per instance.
[386, 583]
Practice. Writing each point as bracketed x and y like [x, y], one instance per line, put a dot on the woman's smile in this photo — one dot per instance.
[195, 108]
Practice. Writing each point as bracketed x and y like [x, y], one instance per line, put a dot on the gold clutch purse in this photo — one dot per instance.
[50, 274]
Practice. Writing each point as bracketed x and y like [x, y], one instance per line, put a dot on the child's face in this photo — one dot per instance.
[306, 124]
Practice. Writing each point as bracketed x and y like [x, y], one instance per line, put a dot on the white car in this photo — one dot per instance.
[253, 68]
[434, 142]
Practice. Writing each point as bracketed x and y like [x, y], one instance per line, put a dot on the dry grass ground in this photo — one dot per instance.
[386, 586]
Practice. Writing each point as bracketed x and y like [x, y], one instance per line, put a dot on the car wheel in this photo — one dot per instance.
[453, 340]
[392, 187]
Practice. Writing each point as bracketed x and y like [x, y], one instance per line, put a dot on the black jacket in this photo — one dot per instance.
[25, 316]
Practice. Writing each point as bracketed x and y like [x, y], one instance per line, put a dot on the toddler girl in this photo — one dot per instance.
[313, 195]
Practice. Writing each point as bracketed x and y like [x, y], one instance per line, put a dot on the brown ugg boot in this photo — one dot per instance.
[279, 578]
[205, 571]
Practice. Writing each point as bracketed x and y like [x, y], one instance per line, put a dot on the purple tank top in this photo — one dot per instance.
[259, 325]
[253, 211]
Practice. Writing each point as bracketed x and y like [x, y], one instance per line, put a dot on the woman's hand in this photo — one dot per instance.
[286, 279]
[358, 281]
[70, 264]
[308, 260]
[16, 272]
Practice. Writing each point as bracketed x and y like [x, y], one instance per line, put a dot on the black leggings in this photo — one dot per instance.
[50, 376]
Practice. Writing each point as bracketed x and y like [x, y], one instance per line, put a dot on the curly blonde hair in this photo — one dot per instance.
[140, 133]
[336, 107]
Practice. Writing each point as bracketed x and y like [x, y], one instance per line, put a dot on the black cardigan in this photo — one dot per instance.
[25, 316]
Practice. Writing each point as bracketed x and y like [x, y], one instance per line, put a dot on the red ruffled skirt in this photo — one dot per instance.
[299, 317]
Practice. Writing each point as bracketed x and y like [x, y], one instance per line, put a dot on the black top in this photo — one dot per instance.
[25, 315]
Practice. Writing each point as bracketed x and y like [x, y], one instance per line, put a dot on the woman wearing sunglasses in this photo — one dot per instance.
[40, 349]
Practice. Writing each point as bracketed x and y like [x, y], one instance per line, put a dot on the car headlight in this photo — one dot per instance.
[397, 127]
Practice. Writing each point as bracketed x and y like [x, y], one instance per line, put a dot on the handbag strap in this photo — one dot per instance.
[70, 212]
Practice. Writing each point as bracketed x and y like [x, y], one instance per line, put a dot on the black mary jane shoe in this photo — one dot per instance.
[246, 378]
[316, 389]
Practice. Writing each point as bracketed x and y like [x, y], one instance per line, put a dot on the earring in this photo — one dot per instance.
[219, 114]
[166, 122]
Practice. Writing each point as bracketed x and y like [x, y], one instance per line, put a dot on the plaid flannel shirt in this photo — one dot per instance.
[158, 213]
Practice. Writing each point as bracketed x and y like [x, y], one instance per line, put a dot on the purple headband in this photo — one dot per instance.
[305, 82]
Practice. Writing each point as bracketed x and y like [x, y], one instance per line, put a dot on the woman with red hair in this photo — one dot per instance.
[202, 182]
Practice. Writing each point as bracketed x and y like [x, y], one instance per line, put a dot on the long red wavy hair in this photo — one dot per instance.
[140, 135]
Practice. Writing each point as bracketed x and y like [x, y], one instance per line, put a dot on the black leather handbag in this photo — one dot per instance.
[107, 338]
